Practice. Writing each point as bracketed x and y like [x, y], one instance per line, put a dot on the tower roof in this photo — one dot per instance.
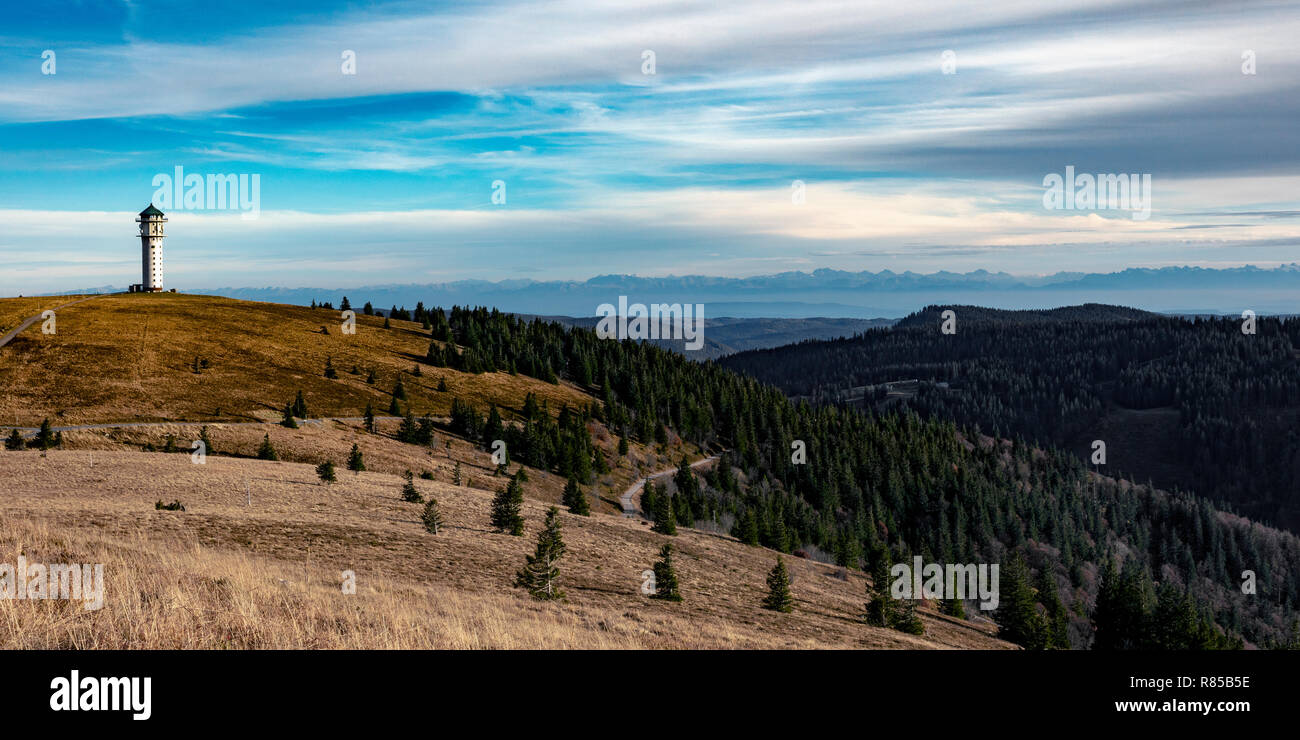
[151, 211]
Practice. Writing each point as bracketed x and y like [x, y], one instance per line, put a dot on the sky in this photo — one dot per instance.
[665, 138]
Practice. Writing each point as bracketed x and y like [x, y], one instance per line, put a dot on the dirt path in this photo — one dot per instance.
[6, 339]
[629, 508]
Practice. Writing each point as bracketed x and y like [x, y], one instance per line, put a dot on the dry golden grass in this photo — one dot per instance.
[127, 358]
[255, 560]
[226, 574]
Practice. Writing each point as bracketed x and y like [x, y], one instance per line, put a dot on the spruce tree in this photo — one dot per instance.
[266, 451]
[747, 528]
[399, 390]
[393, 408]
[847, 551]
[665, 519]
[45, 437]
[575, 499]
[1057, 621]
[455, 473]
[541, 569]
[326, 472]
[330, 372]
[953, 607]
[778, 588]
[356, 461]
[410, 494]
[1017, 613]
[908, 620]
[881, 608]
[431, 517]
[15, 441]
[300, 407]
[369, 417]
[506, 507]
[287, 419]
[208, 447]
[370, 377]
[666, 576]
[622, 446]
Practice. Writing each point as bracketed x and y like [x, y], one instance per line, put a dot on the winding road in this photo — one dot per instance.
[629, 508]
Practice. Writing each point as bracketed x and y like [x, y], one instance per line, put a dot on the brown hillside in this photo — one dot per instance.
[226, 574]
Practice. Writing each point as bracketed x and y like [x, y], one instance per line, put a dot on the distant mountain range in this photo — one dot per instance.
[837, 293]
[725, 336]
[933, 315]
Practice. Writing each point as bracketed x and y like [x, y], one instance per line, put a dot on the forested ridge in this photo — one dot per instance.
[1234, 397]
[895, 484]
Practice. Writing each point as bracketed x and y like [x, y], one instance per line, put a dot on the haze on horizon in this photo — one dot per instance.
[386, 176]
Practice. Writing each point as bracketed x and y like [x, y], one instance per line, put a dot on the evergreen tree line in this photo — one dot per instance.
[1052, 381]
[911, 483]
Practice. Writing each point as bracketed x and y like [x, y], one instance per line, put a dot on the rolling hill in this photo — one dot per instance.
[256, 556]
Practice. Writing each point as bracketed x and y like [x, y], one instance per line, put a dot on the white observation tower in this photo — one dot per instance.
[151, 243]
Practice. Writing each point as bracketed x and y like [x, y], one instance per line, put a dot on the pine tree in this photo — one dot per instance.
[666, 576]
[326, 472]
[664, 518]
[410, 494]
[266, 451]
[540, 570]
[506, 507]
[1120, 612]
[393, 408]
[1017, 613]
[431, 517]
[330, 372]
[208, 447]
[442, 385]
[45, 438]
[622, 446]
[846, 551]
[407, 431]
[778, 588]
[15, 441]
[356, 461]
[575, 499]
[300, 407]
[908, 620]
[747, 528]
[953, 607]
[370, 377]
[455, 473]
[1057, 623]
[882, 610]
[369, 417]
[287, 419]
[399, 390]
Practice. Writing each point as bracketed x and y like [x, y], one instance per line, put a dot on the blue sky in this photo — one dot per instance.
[386, 176]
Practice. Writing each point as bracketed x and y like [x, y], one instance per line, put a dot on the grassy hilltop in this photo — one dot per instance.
[256, 558]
